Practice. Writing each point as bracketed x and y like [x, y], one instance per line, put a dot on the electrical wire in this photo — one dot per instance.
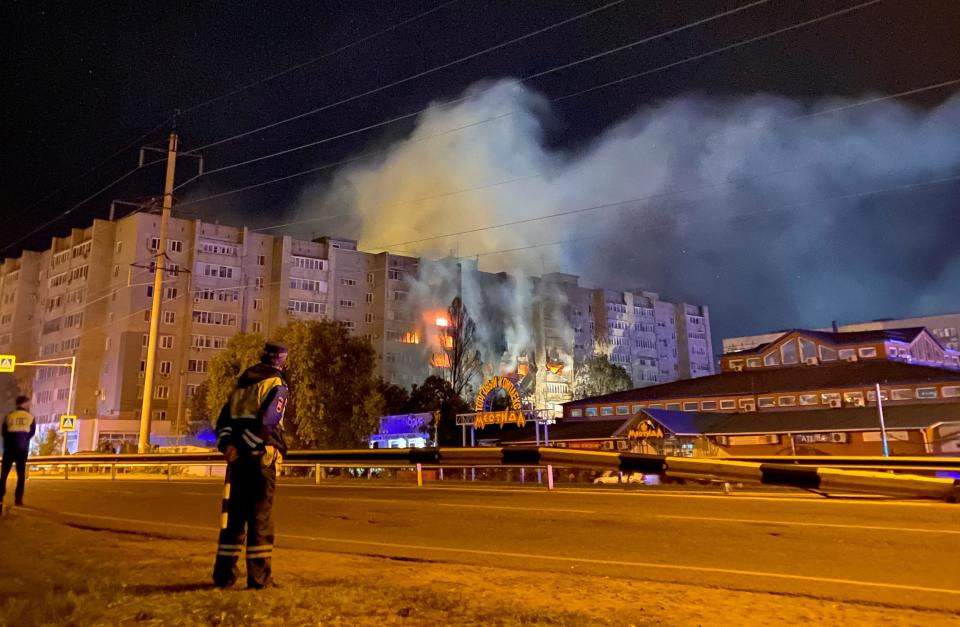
[80, 204]
[540, 74]
[415, 76]
[319, 58]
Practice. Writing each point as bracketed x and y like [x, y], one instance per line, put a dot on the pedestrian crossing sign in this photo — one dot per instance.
[8, 363]
[68, 423]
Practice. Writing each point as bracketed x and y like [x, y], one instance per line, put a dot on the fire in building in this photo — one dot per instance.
[89, 295]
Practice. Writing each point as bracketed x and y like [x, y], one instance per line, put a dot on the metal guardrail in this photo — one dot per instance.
[912, 463]
[809, 477]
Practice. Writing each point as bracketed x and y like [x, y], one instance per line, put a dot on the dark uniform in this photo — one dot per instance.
[18, 427]
[252, 423]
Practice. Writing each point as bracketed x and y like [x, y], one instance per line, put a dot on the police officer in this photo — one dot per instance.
[250, 436]
[18, 427]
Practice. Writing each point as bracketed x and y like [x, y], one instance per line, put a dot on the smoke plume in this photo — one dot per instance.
[768, 210]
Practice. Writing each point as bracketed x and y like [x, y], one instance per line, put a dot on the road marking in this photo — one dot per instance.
[349, 499]
[558, 558]
[520, 509]
[805, 524]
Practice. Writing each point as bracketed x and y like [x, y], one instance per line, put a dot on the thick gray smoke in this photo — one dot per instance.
[750, 205]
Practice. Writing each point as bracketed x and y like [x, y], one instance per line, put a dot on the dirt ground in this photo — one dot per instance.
[55, 574]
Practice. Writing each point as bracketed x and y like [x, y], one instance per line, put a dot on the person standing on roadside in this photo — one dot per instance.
[18, 427]
[250, 436]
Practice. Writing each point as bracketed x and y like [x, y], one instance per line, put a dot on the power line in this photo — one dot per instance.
[411, 77]
[318, 58]
[733, 46]
[540, 74]
[738, 215]
[628, 201]
[80, 204]
[98, 165]
[557, 99]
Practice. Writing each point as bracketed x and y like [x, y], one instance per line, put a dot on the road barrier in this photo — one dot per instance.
[794, 475]
[930, 464]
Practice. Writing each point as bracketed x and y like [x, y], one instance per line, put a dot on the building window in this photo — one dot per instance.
[754, 362]
[217, 248]
[159, 414]
[166, 341]
[170, 293]
[673, 407]
[306, 306]
[591, 411]
[787, 401]
[348, 282]
[165, 368]
[347, 303]
[309, 285]
[309, 263]
[258, 303]
[728, 404]
[853, 398]
[847, 353]
[830, 398]
[809, 399]
[827, 354]
[789, 352]
[119, 247]
[162, 391]
[261, 260]
[636, 408]
[154, 244]
[708, 405]
[371, 278]
[215, 318]
[606, 411]
[198, 365]
[926, 393]
[950, 391]
[169, 317]
[808, 349]
[902, 395]
[256, 327]
[766, 401]
[175, 246]
[368, 318]
[395, 275]
[576, 413]
[868, 352]
[258, 282]
[771, 359]
[623, 410]
[399, 296]
[369, 298]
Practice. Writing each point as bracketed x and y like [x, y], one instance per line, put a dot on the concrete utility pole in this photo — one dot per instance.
[883, 425]
[145, 407]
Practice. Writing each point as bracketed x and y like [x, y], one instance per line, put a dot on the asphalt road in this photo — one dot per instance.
[898, 553]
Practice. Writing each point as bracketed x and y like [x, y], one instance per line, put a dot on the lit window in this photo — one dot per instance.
[754, 362]
[787, 401]
[869, 351]
[808, 349]
[809, 399]
[766, 401]
[950, 391]
[576, 413]
[708, 405]
[903, 395]
[728, 404]
[926, 393]
[789, 352]
[623, 410]
[847, 353]
[827, 354]
[606, 411]
[771, 359]
[591, 411]
[636, 408]
[162, 391]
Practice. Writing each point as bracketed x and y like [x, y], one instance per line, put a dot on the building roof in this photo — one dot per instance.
[820, 420]
[784, 379]
[841, 338]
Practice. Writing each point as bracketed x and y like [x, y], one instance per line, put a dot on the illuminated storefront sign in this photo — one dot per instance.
[508, 417]
[644, 430]
[488, 393]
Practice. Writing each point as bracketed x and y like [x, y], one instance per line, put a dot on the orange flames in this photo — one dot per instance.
[555, 367]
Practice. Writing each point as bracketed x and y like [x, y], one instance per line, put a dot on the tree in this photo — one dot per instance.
[334, 395]
[458, 341]
[242, 351]
[51, 444]
[598, 376]
[437, 395]
[396, 400]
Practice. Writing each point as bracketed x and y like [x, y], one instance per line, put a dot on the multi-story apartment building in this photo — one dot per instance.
[89, 296]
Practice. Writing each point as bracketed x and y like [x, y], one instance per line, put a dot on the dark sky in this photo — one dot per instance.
[85, 79]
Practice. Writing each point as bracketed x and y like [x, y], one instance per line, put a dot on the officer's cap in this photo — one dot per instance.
[22, 399]
[273, 348]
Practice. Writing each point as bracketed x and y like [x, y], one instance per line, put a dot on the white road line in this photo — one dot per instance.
[520, 509]
[805, 524]
[560, 558]
[350, 499]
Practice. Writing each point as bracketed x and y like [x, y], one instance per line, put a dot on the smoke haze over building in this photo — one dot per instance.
[774, 212]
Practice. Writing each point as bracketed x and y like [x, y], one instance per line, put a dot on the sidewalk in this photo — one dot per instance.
[52, 573]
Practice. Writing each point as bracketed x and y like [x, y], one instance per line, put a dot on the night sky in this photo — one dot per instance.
[83, 80]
